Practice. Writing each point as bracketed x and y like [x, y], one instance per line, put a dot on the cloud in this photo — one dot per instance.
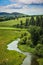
[25, 9]
[12, 6]
[27, 1]
[23, 6]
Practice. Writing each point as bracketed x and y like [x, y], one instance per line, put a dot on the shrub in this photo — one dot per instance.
[39, 50]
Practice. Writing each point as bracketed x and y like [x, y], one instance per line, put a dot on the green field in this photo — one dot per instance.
[9, 57]
[7, 34]
[10, 23]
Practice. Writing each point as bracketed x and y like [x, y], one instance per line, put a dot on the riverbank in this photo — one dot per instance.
[26, 48]
[14, 46]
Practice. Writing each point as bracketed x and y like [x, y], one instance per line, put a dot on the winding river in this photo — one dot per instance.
[13, 46]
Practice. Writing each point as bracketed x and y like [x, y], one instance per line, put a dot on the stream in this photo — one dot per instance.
[28, 59]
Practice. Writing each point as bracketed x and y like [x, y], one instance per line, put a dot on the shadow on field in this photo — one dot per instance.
[34, 61]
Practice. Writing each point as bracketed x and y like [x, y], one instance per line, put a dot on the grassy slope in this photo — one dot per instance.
[10, 23]
[26, 48]
[9, 57]
[7, 34]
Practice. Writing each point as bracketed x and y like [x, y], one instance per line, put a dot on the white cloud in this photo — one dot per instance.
[14, 6]
[20, 6]
[27, 1]
[25, 9]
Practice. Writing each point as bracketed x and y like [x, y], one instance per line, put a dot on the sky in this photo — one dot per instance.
[30, 7]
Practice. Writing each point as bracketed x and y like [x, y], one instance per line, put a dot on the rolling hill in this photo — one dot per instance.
[11, 14]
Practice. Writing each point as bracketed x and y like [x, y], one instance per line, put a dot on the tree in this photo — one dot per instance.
[17, 25]
[38, 21]
[39, 50]
[41, 39]
[32, 21]
[27, 22]
[21, 24]
[23, 40]
[35, 34]
[41, 20]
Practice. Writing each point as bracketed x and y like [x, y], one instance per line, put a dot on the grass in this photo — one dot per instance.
[8, 34]
[40, 60]
[11, 23]
[25, 48]
[9, 57]
[11, 28]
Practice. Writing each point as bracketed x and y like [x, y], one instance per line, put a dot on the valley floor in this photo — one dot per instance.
[9, 57]
[8, 33]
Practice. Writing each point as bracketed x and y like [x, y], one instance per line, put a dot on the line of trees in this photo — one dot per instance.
[35, 27]
[34, 21]
[6, 18]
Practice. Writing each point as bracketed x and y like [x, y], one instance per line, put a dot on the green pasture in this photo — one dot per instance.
[11, 23]
[9, 57]
[7, 34]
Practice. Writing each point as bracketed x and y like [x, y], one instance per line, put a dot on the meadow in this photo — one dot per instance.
[10, 23]
[7, 34]
[9, 57]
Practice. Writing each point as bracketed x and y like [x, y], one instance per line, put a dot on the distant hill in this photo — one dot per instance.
[11, 14]
[4, 13]
[16, 13]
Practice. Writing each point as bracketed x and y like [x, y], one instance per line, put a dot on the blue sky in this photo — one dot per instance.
[22, 6]
[4, 2]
